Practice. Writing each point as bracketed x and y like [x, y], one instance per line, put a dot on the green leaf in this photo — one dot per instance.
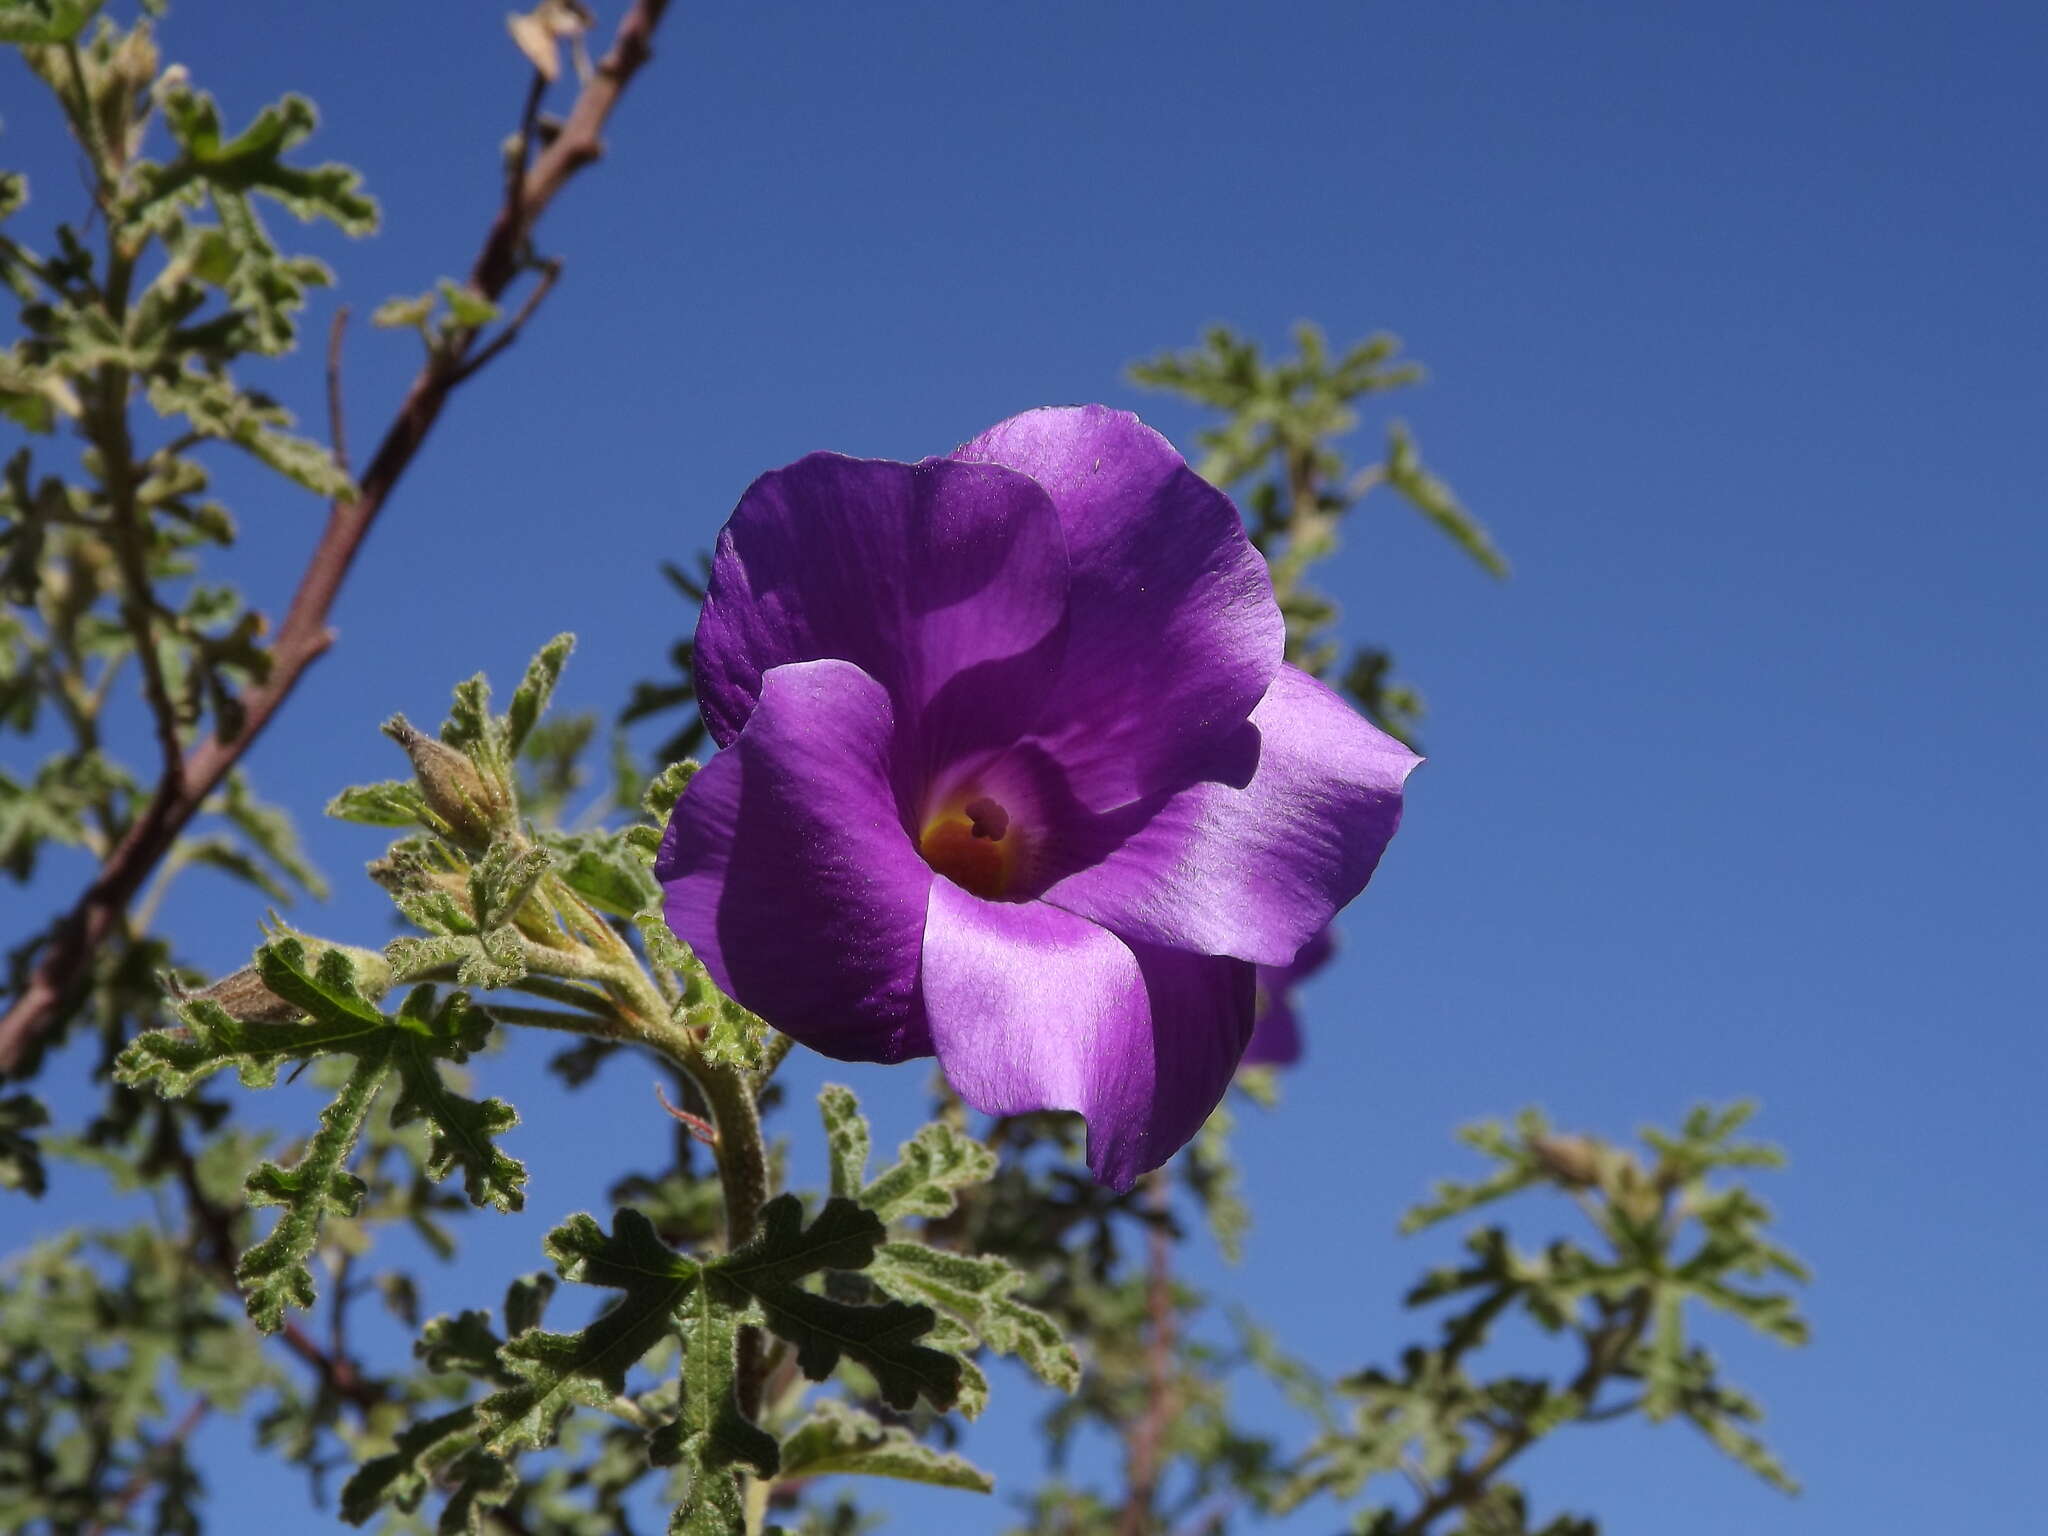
[663, 947]
[1437, 502]
[460, 1130]
[469, 726]
[274, 1274]
[977, 1292]
[21, 1161]
[502, 880]
[936, 1161]
[424, 1453]
[847, 1139]
[712, 1439]
[558, 1371]
[837, 1438]
[31, 22]
[600, 868]
[666, 788]
[269, 830]
[340, 1020]
[465, 1344]
[252, 162]
[216, 408]
[530, 699]
[732, 1036]
[401, 313]
[393, 803]
[468, 309]
[885, 1339]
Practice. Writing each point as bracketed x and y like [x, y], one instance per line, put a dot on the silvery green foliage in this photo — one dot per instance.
[748, 1338]
[1276, 447]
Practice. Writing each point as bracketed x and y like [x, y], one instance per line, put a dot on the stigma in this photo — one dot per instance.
[972, 845]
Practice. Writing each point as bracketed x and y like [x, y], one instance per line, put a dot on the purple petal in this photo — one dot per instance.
[787, 869]
[945, 582]
[1276, 1033]
[1257, 872]
[1276, 1037]
[1033, 1008]
[1173, 632]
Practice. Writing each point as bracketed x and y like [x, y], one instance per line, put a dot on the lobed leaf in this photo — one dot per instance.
[392, 803]
[838, 1438]
[531, 697]
[274, 1274]
[886, 1339]
[978, 1293]
[712, 1439]
[939, 1159]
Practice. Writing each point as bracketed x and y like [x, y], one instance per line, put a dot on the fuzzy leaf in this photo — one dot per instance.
[460, 1130]
[886, 1339]
[252, 162]
[393, 803]
[847, 1139]
[977, 1292]
[530, 699]
[732, 1036]
[340, 1020]
[599, 867]
[666, 788]
[837, 1438]
[424, 1450]
[216, 408]
[560, 1370]
[712, 1438]
[274, 1274]
[929, 1167]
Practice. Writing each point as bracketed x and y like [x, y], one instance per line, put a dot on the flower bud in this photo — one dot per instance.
[242, 994]
[1573, 1161]
[469, 801]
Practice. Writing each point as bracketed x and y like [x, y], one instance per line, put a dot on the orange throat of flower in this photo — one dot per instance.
[973, 846]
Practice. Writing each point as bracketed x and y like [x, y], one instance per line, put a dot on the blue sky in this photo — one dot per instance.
[1735, 332]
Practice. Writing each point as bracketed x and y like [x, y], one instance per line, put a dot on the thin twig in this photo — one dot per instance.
[303, 637]
[337, 418]
[1146, 1442]
[549, 271]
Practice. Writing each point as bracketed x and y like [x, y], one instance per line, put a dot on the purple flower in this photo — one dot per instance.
[1013, 774]
[1276, 1033]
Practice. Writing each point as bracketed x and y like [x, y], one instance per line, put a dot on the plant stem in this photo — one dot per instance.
[1147, 1438]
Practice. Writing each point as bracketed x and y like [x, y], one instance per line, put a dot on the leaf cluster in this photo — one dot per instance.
[1664, 1235]
[1277, 448]
[832, 1291]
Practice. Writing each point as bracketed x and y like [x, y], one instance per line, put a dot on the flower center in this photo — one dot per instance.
[972, 846]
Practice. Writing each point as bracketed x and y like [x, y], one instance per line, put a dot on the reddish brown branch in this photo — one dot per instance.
[66, 958]
[1145, 1457]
